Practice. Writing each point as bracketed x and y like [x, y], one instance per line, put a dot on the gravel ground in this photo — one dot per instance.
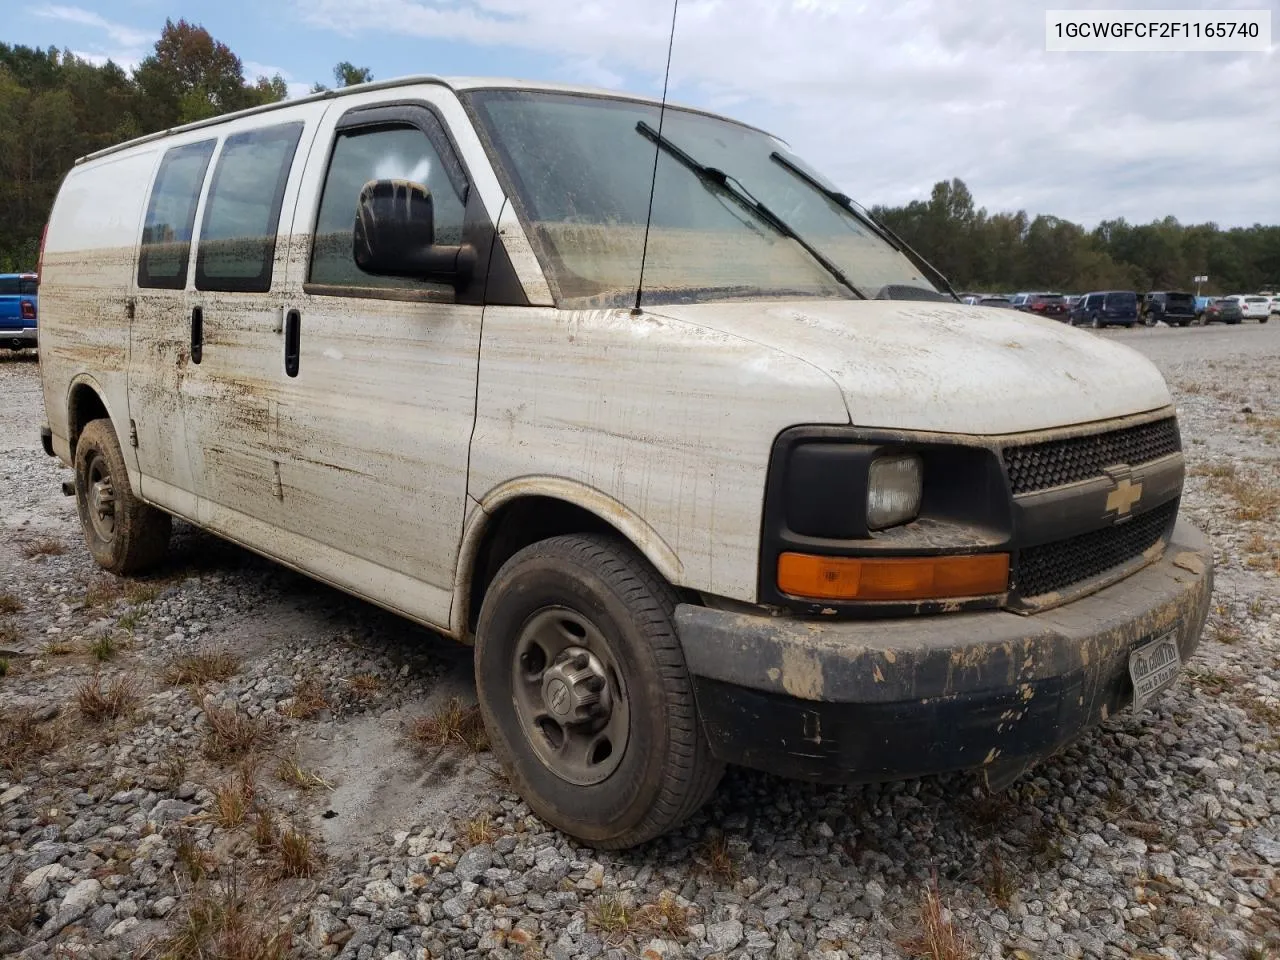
[230, 753]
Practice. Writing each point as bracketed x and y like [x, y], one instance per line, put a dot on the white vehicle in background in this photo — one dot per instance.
[797, 510]
[1275, 306]
[1253, 307]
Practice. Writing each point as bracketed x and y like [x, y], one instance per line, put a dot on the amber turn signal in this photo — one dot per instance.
[892, 578]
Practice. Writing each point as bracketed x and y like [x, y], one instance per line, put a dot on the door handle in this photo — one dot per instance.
[197, 334]
[292, 342]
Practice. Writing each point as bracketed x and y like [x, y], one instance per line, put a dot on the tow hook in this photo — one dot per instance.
[68, 488]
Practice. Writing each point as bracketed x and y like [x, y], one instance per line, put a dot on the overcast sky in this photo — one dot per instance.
[885, 97]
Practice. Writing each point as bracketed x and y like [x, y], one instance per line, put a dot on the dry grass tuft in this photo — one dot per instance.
[43, 547]
[1192, 923]
[998, 882]
[665, 918]
[197, 668]
[365, 684]
[141, 591]
[119, 698]
[231, 923]
[479, 830]
[1224, 631]
[232, 800]
[717, 859]
[290, 772]
[232, 735]
[938, 938]
[612, 916]
[308, 699]
[454, 724]
[264, 828]
[104, 591]
[1218, 470]
[25, 739]
[298, 854]
[192, 859]
[1253, 500]
[9, 603]
[103, 649]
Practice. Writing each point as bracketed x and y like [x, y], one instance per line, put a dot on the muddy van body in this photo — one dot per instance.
[800, 511]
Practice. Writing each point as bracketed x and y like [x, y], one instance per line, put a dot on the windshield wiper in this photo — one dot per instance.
[845, 202]
[734, 188]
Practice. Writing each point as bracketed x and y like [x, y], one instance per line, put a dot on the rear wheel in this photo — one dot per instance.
[585, 693]
[124, 534]
[1095, 322]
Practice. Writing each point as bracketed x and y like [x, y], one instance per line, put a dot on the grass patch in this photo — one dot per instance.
[58, 648]
[1226, 632]
[141, 591]
[998, 881]
[9, 603]
[479, 830]
[103, 649]
[365, 684]
[102, 592]
[665, 918]
[937, 938]
[1218, 470]
[230, 923]
[130, 619]
[716, 859]
[612, 915]
[291, 773]
[232, 800]
[191, 858]
[119, 698]
[454, 724]
[264, 828]
[197, 668]
[308, 699]
[25, 739]
[1253, 501]
[43, 547]
[297, 853]
[232, 735]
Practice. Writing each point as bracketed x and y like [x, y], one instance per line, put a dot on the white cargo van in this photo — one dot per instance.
[801, 510]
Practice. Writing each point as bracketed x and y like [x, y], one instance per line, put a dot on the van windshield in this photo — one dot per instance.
[579, 168]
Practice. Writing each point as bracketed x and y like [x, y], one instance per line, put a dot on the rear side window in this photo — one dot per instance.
[171, 215]
[9, 287]
[387, 153]
[238, 233]
[1122, 299]
[27, 287]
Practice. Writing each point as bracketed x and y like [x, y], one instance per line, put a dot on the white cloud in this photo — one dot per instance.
[888, 98]
[123, 36]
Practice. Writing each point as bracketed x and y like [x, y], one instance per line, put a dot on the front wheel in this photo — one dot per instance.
[1095, 322]
[123, 534]
[585, 693]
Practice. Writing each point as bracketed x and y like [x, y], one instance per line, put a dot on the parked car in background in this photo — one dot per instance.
[1004, 302]
[1044, 304]
[1173, 307]
[1104, 308]
[1275, 306]
[1253, 307]
[18, 310]
[1222, 310]
[1201, 303]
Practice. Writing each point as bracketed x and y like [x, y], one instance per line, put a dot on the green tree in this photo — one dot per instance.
[348, 74]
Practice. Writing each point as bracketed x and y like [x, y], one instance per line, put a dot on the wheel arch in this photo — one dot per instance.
[86, 401]
[524, 511]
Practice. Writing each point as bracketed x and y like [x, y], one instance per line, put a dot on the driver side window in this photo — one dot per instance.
[382, 153]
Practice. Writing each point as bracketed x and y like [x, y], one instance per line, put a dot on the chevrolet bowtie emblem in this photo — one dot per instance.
[1127, 491]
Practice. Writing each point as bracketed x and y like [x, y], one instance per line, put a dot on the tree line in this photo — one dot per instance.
[55, 107]
[988, 252]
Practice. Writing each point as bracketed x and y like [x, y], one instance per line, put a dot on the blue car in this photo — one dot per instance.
[18, 310]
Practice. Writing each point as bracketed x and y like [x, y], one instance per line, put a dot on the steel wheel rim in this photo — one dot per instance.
[570, 696]
[101, 498]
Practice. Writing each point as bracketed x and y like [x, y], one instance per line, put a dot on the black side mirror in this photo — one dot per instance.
[395, 235]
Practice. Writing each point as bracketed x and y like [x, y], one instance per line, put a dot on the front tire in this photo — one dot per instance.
[1095, 322]
[585, 693]
[123, 534]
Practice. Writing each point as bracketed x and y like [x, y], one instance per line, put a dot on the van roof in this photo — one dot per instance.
[456, 84]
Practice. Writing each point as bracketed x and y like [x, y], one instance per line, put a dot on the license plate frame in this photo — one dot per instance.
[1153, 667]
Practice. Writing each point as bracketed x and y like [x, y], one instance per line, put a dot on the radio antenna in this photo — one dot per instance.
[657, 148]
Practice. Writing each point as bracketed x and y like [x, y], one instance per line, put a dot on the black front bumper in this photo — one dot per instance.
[841, 701]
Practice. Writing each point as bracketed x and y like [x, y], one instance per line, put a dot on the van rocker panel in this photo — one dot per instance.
[848, 701]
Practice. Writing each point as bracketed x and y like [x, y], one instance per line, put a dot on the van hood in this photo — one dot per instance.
[949, 368]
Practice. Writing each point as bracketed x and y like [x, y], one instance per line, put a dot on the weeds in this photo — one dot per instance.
[129, 620]
[264, 828]
[308, 699]
[290, 772]
[298, 856]
[365, 684]
[25, 739]
[173, 767]
[140, 591]
[232, 735]
[479, 830]
[118, 698]
[938, 938]
[103, 649]
[453, 724]
[43, 547]
[231, 923]
[197, 668]
[1253, 500]
[611, 915]
[9, 603]
[1192, 924]
[998, 882]
[103, 592]
[665, 918]
[1218, 470]
[58, 648]
[717, 859]
[193, 860]
[231, 801]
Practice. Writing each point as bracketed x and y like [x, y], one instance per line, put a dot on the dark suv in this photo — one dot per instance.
[1105, 307]
[1175, 308]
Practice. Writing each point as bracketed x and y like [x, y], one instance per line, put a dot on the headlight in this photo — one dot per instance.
[894, 485]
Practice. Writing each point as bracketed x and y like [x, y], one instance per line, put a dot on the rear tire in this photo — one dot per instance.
[123, 534]
[1095, 322]
[587, 614]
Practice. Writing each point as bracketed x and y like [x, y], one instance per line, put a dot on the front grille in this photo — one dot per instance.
[1054, 567]
[1053, 463]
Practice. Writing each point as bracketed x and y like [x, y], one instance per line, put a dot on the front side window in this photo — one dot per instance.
[580, 170]
[382, 153]
[171, 215]
[238, 233]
